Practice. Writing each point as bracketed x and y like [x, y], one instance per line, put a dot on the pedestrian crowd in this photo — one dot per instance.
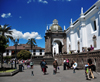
[89, 67]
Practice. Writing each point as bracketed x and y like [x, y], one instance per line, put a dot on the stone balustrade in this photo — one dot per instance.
[81, 58]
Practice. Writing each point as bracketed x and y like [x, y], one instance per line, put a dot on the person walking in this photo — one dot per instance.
[74, 66]
[55, 65]
[67, 63]
[31, 64]
[64, 64]
[44, 66]
[41, 65]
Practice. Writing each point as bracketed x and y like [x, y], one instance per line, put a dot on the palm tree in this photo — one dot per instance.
[6, 31]
[32, 43]
[5, 35]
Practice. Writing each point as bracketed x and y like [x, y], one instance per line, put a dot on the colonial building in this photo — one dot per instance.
[36, 51]
[82, 33]
[85, 31]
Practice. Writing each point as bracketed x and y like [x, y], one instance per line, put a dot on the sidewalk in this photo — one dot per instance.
[61, 76]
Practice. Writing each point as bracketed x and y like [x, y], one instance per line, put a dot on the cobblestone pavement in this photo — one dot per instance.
[61, 76]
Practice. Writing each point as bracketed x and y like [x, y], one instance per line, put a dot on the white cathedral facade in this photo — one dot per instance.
[85, 31]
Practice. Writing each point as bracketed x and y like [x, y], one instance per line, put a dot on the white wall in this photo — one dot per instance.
[37, 53]
[4, 54]
[86, 27]
[43, 53]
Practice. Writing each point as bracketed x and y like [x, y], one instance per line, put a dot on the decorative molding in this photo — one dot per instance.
[99, 12]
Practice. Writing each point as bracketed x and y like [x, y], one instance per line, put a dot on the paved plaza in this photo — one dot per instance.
[61, 76]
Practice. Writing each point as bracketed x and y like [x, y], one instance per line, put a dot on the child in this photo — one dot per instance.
[74, 66]
[87, 72]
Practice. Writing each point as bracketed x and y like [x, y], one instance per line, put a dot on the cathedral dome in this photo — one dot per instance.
[55, 26]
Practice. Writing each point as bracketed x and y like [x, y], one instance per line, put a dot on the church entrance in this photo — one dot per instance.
[57, 47]
[60, 47]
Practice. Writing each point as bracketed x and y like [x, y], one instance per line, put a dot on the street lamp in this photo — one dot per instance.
[16, 43]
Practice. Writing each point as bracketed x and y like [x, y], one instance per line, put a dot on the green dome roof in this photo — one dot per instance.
[55, 26]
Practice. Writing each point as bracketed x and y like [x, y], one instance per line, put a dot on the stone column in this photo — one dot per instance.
[72, 37]
[84, 36]
[83, 30]
[64, 46]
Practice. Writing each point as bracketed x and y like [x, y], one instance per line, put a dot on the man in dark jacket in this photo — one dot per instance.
[41, 65]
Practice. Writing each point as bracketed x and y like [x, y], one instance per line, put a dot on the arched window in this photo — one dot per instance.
[94, 41]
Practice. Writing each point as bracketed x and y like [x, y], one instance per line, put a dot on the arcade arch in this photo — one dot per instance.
[57, 47]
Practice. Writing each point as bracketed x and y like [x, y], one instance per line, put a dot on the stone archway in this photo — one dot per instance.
[55, 39]
[57, 47]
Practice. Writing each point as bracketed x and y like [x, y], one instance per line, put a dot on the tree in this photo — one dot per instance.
[6, 31]
[3, 44]
[32, 43]
[23, 54]
[5, 35]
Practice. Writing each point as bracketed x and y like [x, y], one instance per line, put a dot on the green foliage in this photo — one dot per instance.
[7, 57]
[23, 54]
[31, 42]
[3, 43]
[5, 35]
[11, 70]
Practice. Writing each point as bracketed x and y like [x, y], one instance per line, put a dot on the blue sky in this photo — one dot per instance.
[29, 18]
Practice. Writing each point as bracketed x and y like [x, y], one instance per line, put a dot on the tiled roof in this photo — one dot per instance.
[24, 46]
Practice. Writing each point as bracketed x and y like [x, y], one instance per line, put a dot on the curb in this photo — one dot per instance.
[10, 73]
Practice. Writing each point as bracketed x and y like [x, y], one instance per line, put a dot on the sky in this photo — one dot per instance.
[30, 18]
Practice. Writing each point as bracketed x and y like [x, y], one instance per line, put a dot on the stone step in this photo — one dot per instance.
[38, 60]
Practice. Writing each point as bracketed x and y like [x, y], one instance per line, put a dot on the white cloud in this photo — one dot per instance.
[18, 34]
[20, 17]
[43, 1]
[62, 0]
[39, 37]
[29, 1]
[68, 0]
[6, 15]
[40, 0]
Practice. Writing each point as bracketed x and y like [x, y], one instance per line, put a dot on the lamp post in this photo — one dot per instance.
[16, 43]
